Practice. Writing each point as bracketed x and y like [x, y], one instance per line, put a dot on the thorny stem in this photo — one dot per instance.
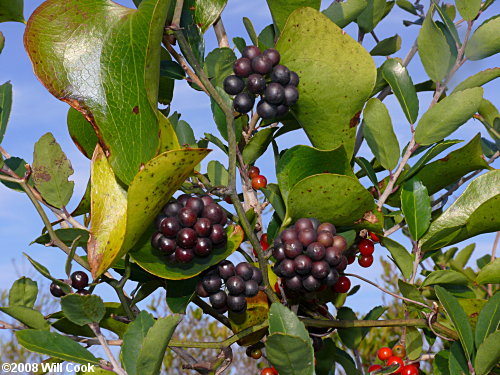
[116, 365]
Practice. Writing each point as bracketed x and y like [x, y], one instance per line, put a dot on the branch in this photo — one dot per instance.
[116, 365]
[176, 20]
[220, 33]
[207, 309]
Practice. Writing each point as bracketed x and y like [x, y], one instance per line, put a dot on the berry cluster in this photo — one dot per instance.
[269, 371]
[257, 73]
[309, 255]
[395, 356]
[240, 282]
[189, 226]
[78, 280]
[258, 181]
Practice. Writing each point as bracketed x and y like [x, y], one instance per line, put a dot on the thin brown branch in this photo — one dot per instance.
[220, 33]
[116, 365]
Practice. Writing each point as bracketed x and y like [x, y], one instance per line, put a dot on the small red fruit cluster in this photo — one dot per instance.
[258, 181]
[395, 357]
[269, 371]
[78, 280]
[189, 226]
[366, 248]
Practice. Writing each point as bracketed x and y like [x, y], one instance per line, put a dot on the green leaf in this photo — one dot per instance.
[478, 79]
[112, 236]
[2, 42]
[329, 197]
[410, 291]
[396, 75]
[400, 255]
[343, 13]
[472, 306]
[155, 344]
[133, 340]
[488, 319]
[192, 31]
[27, 316]
[185, 134]
[408, 6]
[345, 361]
[440, 364]
[458, 361]
[379, 133]
[171, 69]
[459, 319]
[283, 320]
[468, 8]
[281, 9]
[489, 274]
[51, 170]
[367, 168]
[81, 132]
[445, 11]
[446, 116]
[45, 273]
[484, 42]
[180, 293]
[416, 207]
[387, 46]
[153, 261]
[433, 49]
[258, 145]
[301, 161]
[18, 165]
[207, 12]
[351, 337]
[373, 314]
[445, 277]
[55, 345]
[11, 10]
[83, 310]
[239, 43]
[330, 94]
[325, 363]
[104, 50]
[273, 195]
[372, 15]
[250, 30]
[219, 65]
[217, 173]
[414, 343]
[83, 206]
[220, 117]
[488, 354]
[290, 355]
[23, 292]
[66, 235]
[5, 104]
[464, 255]
[474, 212]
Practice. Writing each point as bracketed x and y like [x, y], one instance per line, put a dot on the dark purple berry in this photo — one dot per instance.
[325, 238]
[288, 234]
[266, 110]
[203, 227]
[83, 292]
[172, 208]
[279, 252]
[155, 239]
[294, 79]
[294, 283]
[261, 64]
[256, 83]
[237, 304]
[274, 93]
[207, 199]
[244, 270]
[218, 235]
[158, 220]
[332, 277]
[203, 247]
[291, 95]
[213, 212]
[222, 310]
[211, 283]
[342, 264]
[242, 67]
[243, 102]
[327, 227]
[223, 221]
[170, 226]
[316, 251]
[315, 222]
[332, 256]
[293, 248]
[196, 205]
[250, 52]
[311, 284]
[340, 243]
[303, 264]
[235, 285]
[226, 269]
[187, 217]
[307, 237]
[320, 269]
[251, 288]
[167, 245]
[233, 85]
[79, 280]
[303, 223]
[56, 290]
[257, 275]
[272, 55]
[182, 199]
[200, 290]
[281, 75]
[281, 110]
[218, 300]
[287, 268]
[184, 255]
[186, 238]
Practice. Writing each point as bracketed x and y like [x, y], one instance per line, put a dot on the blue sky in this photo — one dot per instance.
[36, 112]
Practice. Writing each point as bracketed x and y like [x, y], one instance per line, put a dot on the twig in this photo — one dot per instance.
[176, 20]
[207, 309]
[4, 153]
[374, 36]
[220, 33]
[395, 228]
[188, 358]
[116, 365]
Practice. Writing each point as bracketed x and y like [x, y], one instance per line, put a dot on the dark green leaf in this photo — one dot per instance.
[66, 235]
[379, 133]
[83, 310]
[220, 117]
[463, 256]
[458, 361]
[171, 69]
[472, 306]
[478, 79]
[490, 274]
[283, 320]
[217, 173]
[373, 314]
[18, 166]
[147, 287]
[372, 15]
[290, 355]
[368, 169]
[133, 340]
[345, 361]
[433, 49]
[192, 31]
[11, 10]
[82, 133]
[27, 316]
[239, 43]
[351, 337]
[484, 42]
[281, 9]
[23, 292]
[440, 364]
[155, 344]
[343, 13]
[273, 195]
[64, 325]
[410, 291]
[180, 293]
[408, 6]
[258, 145]
[489, 148]
[488, 354]
[84, 205]
[325, 363]
[459, 319]
[216, 141]
[416, 207]
[450, 27]
[387, 46]
[55, 345]
[488, 319]
[250, 30]
[414, 343]
[207, 12]
[396, 75]
[45, 272]
[267, 37]
[401, 256]
[445, 277]
[185, 134]
[219, 65]
[5, 104]
[468, 8]
[330, 94]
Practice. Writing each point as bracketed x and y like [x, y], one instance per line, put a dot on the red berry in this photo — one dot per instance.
[409, 370]
[374, 237]
[351, 259]
[365, 261]
[374, 367]
[253, 172]
[228, 199]
[259, 182]
[263, 242]
[277, 288]
[268, 371]
[342, 285]
[395, 360]
[366, 247]
[384, 353]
